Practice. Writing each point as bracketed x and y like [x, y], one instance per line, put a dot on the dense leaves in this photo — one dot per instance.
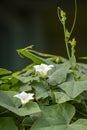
[6, 123]
[59, 94]
[49, 110]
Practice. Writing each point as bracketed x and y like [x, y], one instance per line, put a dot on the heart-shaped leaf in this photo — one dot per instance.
[58, 117]
[55, 117]
[12, 104]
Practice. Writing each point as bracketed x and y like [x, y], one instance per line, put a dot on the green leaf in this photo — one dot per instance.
[49, 57]
[0, 82]
[6, 123]
[4, 71]
[80, 124]
[38, 57]
[29, 120]
[82, 68]
[5, 79]
[9, 83]
[33, 57]
[13, 104]
[4, 87]
[26, 79]
[60, 74]
[74, 88]
[41, 89]
[25, 87]
[55, 117]
[27, 68]
[27, 76]
[58, 117]
[61, 97]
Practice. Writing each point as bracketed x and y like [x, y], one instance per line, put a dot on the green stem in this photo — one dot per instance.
[3, 112]
[67, 49]
[83, 114]
[66, 42]
[74, 18]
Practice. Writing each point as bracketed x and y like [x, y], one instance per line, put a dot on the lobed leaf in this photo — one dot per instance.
[74, 88]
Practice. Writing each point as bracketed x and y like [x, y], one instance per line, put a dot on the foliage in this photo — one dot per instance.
[59, 99]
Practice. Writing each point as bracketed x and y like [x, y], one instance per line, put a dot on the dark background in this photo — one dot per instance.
[26, 22]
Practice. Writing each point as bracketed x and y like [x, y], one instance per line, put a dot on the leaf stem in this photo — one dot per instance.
[85, 115]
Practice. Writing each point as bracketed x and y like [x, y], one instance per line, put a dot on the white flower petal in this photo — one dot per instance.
[24, 97]
[43, 69]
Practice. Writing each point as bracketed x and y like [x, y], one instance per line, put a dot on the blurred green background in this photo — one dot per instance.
[26, 22]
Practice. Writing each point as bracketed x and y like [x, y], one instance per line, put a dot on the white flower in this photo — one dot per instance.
[43, 69]
[24, 97]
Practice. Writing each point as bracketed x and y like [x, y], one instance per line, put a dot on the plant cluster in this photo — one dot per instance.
[48, 94]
